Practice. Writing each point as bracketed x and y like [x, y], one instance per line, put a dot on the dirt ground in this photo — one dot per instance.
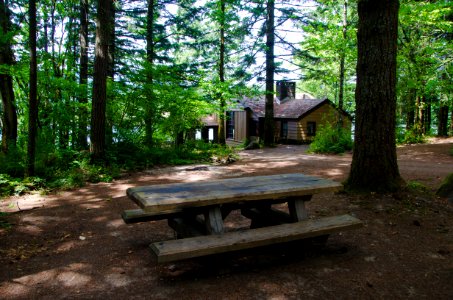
[74, 244]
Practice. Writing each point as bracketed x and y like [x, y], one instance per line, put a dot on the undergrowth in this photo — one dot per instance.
[330, 139]
[66, 169]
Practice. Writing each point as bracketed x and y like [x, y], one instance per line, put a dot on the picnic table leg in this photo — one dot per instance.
[214, 220]
[298, 212]
[297, 209]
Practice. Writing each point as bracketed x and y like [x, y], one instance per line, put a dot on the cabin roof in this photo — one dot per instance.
[289, 108]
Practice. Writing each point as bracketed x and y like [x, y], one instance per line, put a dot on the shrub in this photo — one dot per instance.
[331, 139]
[411, 136]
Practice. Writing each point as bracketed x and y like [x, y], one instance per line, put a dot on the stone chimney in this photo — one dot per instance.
[286, 89]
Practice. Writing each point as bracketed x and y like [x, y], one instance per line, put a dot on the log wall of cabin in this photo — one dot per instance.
[324, 114]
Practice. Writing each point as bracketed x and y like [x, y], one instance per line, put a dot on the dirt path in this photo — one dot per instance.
[75, 245]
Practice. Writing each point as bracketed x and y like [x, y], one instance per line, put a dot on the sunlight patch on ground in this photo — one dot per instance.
[118, 280]
[73, 279]
[69, 276]
[30, 229]
[115, 223]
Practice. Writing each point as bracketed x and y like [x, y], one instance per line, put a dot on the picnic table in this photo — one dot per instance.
[196, 212]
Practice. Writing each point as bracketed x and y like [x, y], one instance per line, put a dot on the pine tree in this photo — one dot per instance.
[374, 165]
[9, 118]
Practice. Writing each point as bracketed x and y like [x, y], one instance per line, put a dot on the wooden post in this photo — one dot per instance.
[214, 221]
[297, 209]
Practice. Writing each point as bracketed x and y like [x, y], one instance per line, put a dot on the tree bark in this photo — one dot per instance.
[33, 96]
[83, 78]
[442, 128]
[9, 118]
[221, 131]
[270, 68]
[111, 73]
[101, 64]
[374, 164]
[149, 130]
[342, 63]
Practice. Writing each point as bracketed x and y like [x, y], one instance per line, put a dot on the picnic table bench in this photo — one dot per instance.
[196, 211]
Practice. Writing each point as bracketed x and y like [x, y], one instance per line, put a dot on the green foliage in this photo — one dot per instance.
[12, 163]
[415, 186]
[17, 186]
[330, 139]
[411, 136]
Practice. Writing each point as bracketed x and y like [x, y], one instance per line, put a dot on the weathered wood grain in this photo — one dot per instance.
[214, 244]
[168, 197]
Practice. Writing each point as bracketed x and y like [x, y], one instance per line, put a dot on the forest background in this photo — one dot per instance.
[165, 64]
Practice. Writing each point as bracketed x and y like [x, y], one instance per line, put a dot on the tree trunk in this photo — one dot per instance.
[221, 131]
[111, 74]
[270, 68]
[9, 118]
[410, 106]
[101, 64]
[442, 128]
[451, 123]
[342, 63]
[33, 97]
[374, 166]
[150, 58]
[427, 115]
[83, 78]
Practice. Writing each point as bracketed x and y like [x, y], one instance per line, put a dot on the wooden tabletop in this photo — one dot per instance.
[176, 196]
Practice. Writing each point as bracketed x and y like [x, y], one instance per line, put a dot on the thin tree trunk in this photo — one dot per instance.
[410, 106]
[83, 78]
[33, 97]
[101, 64]
[9, 118]
[111, 74]
[270, 68]
[374, 166]
[221, 131]
[150, 58]
[342, 63]
[427, 112]
[442, 129]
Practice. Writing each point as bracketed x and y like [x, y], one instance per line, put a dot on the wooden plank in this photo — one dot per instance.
[232, 241]
[131, 216]
[169, 197]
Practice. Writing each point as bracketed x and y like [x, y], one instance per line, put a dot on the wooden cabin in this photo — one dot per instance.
[297, 117]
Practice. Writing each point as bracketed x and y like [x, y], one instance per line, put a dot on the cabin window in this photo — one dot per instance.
[311, 128]
[230, 125]
[284, 130]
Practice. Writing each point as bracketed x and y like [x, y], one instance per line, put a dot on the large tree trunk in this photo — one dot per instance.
[33, 96]
[374, 166]
[149, 130]
[101, 64]
[221, 131]
[270, 68]
[83, 78]
[9, 118]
